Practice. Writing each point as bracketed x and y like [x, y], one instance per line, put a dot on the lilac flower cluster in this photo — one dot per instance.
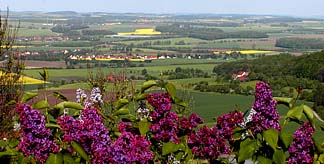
[227, 122]
[208, 143]
[166, 125]
[142, 111]
[166, 129]
[93, 136]
[301, 150]
[265, 116]
[130, 148]
[160, 101]
[80, 95]
[90, 132]
[95, 97]
[36, 138]
[187, 125]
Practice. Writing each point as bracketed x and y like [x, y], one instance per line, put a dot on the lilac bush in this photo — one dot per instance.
[302, 148]
[36, 138]
[265, 115]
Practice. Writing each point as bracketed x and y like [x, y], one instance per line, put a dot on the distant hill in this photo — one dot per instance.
[66, 13]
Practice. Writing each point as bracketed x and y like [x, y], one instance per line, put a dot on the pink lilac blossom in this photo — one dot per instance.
[36, 138]
[160, 101]
[93, 136]
[265, 116]
[208, 143]
[227, 122]
[302, 148]
[90, 132]
[130, 148]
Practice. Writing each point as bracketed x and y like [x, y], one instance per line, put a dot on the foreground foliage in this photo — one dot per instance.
[157, 130]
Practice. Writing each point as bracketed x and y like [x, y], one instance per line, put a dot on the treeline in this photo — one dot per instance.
[97, 32]
[280, 71]
[306, 66]
[207, 33]
[185, 73]
[300, 43]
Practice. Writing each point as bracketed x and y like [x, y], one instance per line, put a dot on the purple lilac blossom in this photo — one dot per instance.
[36, 138]
[90, 132]
[227, 122]
[301, 150]
[266, 116]
[187, 125]
[94, 138]
[208, 143]
[160, 101]
[130, 148]
[166, 129]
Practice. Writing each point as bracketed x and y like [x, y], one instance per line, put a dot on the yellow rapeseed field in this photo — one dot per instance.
[145, 31]
[247, 52]
[26, 80]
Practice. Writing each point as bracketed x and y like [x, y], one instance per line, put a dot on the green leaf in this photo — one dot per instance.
[11, 102]
[247, 149]
[271, 137]
[141, 96]
[55, 159]
[121, 103]
[309, 115]
[41, 105]
[13, 143]
[284, 101]
[286, 138]
[171, 89]
[171, 147]
[295, 113]
[10, 152]
[279, 157]
[180, 102]
[44, 74]
[68, 104]
[122, 111]
[80, 151]
[144, 127]
[67, 159]
[28, 96]
[148, 84]
[321, 158]
[73, 105]
[189, 155]
[49, 125]
[264, 160]
[22, 159]
[59, 95]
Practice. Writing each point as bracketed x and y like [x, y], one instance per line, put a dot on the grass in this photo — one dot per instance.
[152, 70]
[24, 32]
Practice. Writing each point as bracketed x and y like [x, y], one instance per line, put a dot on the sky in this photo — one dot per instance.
[305, 8]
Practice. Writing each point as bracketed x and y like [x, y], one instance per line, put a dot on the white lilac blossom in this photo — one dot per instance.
[95, 96]
[17, 126]
[142, 111]
[80, 95]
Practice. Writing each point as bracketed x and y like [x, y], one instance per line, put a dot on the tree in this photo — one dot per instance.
[10, 72]
[319, 99]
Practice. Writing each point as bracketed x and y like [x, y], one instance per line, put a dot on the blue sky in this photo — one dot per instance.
[278, 7]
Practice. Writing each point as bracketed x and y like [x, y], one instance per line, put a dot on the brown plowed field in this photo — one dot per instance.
[47, 64]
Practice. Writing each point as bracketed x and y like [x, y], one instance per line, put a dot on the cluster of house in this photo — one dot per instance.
[241, 75]
[112, 57]
[44, 38]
